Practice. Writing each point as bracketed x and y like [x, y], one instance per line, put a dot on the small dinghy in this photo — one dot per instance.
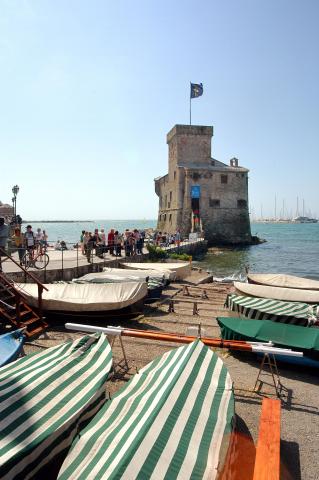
[45, 399]
[267, 309]
[175, 271]
[298, 338]
[277, 293]
[85, 299]
[283, 281]
[11, 346]
[172, 420]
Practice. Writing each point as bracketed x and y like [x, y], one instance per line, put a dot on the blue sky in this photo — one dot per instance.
[88, 91]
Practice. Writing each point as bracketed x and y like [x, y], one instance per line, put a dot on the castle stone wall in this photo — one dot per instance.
[223, 203]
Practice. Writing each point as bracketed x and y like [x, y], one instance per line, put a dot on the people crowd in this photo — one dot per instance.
[22, 241]
[131, 242]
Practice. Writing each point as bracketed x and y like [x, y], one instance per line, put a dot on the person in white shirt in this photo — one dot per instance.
[29, 239]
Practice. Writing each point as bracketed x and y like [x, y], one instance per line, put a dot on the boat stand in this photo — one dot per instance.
[269, 361]
[122, 365]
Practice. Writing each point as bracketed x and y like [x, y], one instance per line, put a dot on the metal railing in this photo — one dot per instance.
[71, 256]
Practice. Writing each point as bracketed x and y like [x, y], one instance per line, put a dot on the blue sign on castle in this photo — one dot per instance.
[195, 191]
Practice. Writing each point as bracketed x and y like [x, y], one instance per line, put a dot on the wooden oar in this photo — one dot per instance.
[257, 347]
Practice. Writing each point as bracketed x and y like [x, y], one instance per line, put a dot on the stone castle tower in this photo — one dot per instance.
[200, 193]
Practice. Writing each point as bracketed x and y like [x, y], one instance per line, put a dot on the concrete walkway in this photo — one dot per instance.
[69, 264]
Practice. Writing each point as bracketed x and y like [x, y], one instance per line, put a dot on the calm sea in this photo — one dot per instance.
[290, 248]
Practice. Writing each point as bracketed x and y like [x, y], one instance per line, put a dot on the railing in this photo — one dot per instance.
[71, 258]
[18, 296]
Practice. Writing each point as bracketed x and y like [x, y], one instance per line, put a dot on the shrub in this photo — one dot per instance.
[156, 253]
[180, 256]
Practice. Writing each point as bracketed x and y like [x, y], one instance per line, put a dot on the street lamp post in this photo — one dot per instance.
[15, 191]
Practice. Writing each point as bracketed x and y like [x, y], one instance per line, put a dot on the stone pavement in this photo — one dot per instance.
[68, 260]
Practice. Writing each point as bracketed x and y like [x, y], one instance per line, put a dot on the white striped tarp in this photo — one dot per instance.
[170, 421]
[267, 309]
[45, 398]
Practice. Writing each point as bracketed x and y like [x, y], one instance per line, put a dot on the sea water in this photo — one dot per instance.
[289, 248]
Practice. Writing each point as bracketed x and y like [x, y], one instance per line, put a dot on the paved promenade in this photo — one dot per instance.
[72, 263]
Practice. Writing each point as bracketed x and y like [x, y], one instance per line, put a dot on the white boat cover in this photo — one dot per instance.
[139, 274]
[178, 270]
[85, 297]
[277, 293]
[285, 281]
[106, 277]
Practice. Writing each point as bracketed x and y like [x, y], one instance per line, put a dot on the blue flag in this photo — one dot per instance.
[196, 90]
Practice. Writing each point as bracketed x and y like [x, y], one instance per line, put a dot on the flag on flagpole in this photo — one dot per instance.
[196, 90]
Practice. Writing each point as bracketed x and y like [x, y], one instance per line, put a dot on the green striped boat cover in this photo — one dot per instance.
[171, 420]
[267, 309]
[44, 398]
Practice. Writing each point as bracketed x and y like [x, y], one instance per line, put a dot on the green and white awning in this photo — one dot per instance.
[170, 421]
[45, 397]
[267, 309]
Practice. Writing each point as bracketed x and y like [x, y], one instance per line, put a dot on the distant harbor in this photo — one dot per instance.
[58, 221]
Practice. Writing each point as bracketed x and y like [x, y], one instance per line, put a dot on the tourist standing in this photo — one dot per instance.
[86, 238]
[103, 237]
[45, 239]
[4, 234]
[118, 239]
[89, 247]
[18, 239]
[178, 238]
[38, 239]
[138, 242]
[82, 242]
[110, 241]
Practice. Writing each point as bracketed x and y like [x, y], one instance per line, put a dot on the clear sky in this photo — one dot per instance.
[89, 89]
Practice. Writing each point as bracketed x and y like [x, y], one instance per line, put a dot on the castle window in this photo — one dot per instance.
[224, 178]
[241, 203]
[212, 163]
[214, 202]
[170, 196]
[165, 201]
[169, 205]
[165, 217]
[160, 217]
[174, 175]
[170, 218]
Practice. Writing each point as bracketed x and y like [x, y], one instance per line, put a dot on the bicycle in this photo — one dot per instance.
[38, 260]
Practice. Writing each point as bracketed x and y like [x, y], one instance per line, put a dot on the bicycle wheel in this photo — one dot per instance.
[41, 261]
[26, 260]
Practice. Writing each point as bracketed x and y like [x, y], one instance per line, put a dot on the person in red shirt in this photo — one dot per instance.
[110, 241]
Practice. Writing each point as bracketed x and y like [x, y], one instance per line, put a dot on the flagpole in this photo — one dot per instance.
[190, 104]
